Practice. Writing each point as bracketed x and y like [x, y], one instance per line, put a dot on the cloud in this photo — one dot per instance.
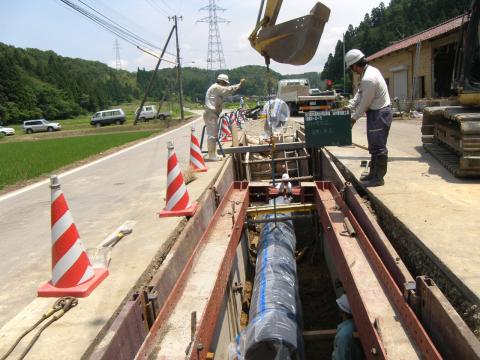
[123, 63]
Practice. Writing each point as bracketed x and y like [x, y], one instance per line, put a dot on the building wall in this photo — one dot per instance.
[405, 59]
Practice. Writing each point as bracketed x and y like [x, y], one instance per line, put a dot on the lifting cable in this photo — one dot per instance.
[59, 308]
[272, 138]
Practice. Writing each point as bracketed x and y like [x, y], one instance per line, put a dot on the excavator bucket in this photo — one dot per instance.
[293, 42]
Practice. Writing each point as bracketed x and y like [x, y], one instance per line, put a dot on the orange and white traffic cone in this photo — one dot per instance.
[72, 272]
[178, 200]
[196, 158]
[225, 133]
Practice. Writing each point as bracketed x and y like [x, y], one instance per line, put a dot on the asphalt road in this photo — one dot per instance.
[101, 196]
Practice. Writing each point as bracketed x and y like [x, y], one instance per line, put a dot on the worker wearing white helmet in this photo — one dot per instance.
[372, 97]
[345, 347]
[285, 186]
[213, 107]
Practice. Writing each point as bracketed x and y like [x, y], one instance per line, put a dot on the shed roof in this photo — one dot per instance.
[431, 33]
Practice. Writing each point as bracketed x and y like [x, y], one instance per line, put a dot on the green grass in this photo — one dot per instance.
[82, 122]
[24, 160]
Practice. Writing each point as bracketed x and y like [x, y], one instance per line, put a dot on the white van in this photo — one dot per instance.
[107, 117]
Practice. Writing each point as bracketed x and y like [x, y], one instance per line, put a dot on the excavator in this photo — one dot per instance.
[293, 42]
[452, 133]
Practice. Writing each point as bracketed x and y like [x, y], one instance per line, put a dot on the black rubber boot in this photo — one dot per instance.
[379, 172]
[368, 175]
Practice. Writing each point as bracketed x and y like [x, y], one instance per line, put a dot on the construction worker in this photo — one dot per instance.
[345, 347]
[213, 108]
[285, 186]
[372, 97]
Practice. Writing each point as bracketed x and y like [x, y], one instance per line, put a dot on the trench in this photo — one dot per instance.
[318, 308]
[416, 259]
[317, 293]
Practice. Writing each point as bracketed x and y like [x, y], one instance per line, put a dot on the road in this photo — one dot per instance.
[127, 185]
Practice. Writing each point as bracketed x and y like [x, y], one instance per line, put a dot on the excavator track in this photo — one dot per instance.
[452, 135]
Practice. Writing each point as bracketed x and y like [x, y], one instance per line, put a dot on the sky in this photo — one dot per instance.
[51, 25]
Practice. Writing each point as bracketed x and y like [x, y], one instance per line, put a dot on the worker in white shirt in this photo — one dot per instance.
[213, 107]
[372, 97]
[285, 186]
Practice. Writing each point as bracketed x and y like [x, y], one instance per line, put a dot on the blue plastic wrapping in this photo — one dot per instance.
[274, 331]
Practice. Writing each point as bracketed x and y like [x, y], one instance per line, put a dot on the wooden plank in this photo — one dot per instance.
[264, 148]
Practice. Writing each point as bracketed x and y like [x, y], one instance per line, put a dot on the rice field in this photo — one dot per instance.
[25, 160]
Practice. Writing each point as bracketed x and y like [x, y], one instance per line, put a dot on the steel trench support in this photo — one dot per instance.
[208, 322]
[326, 191]
[369, 337]
[174, 296]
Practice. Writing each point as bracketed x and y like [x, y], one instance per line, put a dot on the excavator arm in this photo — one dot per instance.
[293, 42]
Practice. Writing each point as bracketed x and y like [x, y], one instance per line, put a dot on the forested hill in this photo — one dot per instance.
[35, 83]
[384, 25]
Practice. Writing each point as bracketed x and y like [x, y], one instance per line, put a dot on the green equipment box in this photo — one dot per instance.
[327, 128]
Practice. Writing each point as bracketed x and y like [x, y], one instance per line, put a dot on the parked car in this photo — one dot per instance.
[148, 112]
[164, 114]
[6, 130]
[108, 117]
[39, 125]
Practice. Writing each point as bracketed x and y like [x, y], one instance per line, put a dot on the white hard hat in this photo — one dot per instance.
[353, 56]
[223, 77]
[343, 304]
[285, 176]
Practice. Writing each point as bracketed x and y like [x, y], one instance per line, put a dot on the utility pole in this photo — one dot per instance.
[179, 67]
[344, 79]
[152, 78]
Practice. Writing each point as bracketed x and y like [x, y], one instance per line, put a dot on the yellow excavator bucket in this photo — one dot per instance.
[293, 42]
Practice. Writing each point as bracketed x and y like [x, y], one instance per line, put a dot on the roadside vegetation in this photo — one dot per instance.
[80, 125]
[25, 160]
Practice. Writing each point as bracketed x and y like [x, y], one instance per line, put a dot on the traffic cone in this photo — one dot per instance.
[225, 133]
[178, 200]
[196, 159]
[72, 272]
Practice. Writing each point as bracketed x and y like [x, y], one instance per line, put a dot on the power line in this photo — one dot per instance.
[133, 35]
[111, 26]
[168, 6]
[157, 7]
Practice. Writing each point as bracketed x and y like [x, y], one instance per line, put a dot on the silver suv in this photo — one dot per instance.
[39, 125]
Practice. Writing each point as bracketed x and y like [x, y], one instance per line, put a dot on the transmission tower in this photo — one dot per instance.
[215, 57]
[118, 62]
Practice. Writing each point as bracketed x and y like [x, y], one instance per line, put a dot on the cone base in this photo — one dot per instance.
[200, 170]
[82, 290]
[190, 211]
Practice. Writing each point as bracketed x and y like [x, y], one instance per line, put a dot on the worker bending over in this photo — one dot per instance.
[213, 107]
[345, 346]
[372, 97]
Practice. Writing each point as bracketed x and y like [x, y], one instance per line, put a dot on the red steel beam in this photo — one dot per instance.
[176, 293]
[369, 337]
[208, 323]
[366, 328]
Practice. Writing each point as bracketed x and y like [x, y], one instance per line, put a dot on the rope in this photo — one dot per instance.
[59, 308]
